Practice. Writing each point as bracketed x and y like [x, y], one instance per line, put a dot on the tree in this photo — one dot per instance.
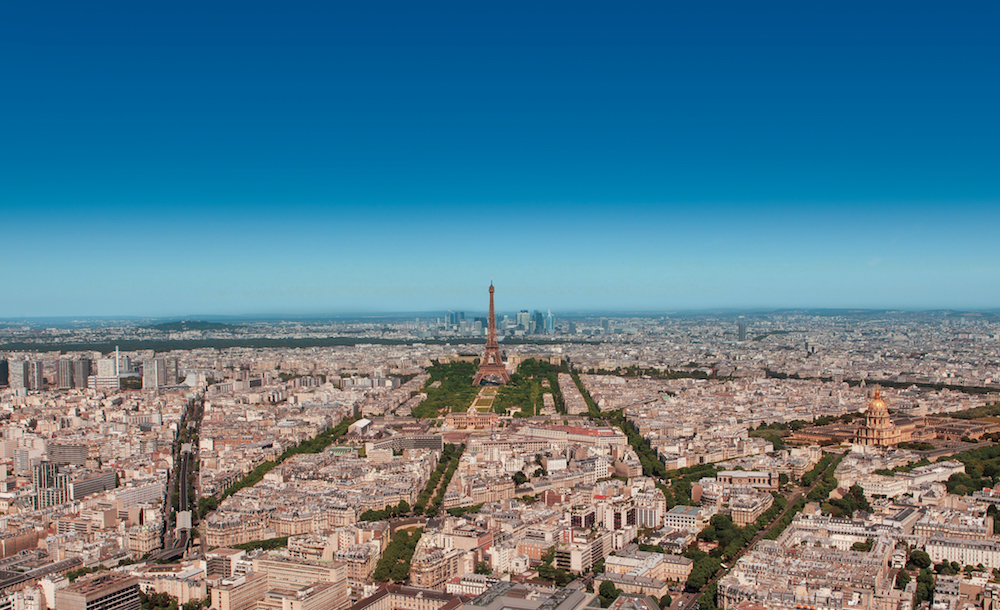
[519, 479]
[483, 568]
[862, 547]
[925, 587]
[608, 593]
[902, 579]
[665, 601]
[920, 559]
[403, 507]
[783, 479]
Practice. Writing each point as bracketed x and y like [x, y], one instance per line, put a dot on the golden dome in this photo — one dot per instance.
[877, 403]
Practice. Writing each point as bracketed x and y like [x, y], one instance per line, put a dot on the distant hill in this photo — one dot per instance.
[184, 325]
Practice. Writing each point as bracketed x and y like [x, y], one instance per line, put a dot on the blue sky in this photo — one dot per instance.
[184, 159]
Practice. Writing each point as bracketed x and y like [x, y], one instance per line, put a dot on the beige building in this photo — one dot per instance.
[107, 591]
[240, 593]
[399, 597]
[142, 539]
[878, 429]
[661, 566]
[318, 596]
[297, 574]
[433, 566]
[746, 508]
[230, 530]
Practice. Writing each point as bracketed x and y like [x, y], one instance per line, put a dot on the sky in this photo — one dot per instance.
[177, 159]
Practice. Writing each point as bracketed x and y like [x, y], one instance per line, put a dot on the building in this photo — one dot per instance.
[630, 561]
[964, 551]
[36, 375]
[747, 508]
[18, 375]
[749, 478]
[400, 597]
[107, 591]
[141, 539]
[685, 518]
[433, 566]
[50, 486]
[154, 373]
[81, 371]
[585, 549]
[240, 592]
[878, 429]
[92, 484]
[317, 596]
[295, 574]
[67, 453]
[221, 561]
[64, 374]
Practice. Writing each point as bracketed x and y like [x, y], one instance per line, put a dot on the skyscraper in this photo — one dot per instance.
[36, 375]
[539, 319]
[171, 367]
[81, 370]
[742, 326]
[154, 373]
[64, 374]
[550, 324]
[107, 367]
[51, 488]
[18, 374]
[4, 372]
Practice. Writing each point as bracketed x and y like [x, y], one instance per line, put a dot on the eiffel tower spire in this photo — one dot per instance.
[491, 368]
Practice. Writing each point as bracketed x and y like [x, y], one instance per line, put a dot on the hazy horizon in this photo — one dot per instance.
[470, 313]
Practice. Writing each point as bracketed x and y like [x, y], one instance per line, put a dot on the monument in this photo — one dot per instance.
[491, 368]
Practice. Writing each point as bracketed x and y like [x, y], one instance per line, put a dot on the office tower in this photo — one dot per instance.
[742, 325]
[4, 372]
[25, 460]
[605, 324]
[64, 374]
[171, 369]
[572, 328]
[107, 367]
[550, 324]
[81, 370]
[524, 320]
[539, 320]
[18, 374]
[154, 373]
[51, 488]
[36, 375]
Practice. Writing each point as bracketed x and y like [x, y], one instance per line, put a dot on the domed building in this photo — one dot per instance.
[878, 430]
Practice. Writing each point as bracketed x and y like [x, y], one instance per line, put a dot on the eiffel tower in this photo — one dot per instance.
[491, 368]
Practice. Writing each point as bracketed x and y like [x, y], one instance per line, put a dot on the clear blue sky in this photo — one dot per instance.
[235, 158]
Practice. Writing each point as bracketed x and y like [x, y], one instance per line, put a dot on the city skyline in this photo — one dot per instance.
[319, 161]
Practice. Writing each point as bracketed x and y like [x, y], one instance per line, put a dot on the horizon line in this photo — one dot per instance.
[438, 312]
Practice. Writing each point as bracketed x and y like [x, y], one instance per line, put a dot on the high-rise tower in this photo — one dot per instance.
[491, 368]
